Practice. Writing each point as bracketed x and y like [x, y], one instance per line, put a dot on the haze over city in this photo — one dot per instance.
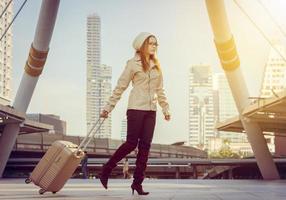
[184, 38]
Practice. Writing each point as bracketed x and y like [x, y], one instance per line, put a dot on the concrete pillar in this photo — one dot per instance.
[280, 146]
[177, 172]
[230, 62]
[195, 172]
[230, 175]
[33, 68]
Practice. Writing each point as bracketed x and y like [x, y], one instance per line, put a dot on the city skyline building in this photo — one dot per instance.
[6, 54]
[98, 78]
[226, 108]
[123, 132]
[104, 93]
[201, 106]
[274, 76]
[59, 125]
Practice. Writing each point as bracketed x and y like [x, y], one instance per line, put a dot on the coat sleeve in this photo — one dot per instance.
[162, 99]
[121, 86]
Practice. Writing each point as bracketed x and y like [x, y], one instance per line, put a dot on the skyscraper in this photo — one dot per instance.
[98, 78]
[123, 132]
[104, 93]
[274, 77]
[5, 54]
[201, 106]
[226, 108]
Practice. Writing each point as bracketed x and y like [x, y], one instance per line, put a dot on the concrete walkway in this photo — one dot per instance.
[119, 189]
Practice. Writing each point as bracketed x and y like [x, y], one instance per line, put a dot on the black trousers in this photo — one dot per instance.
[140, 128]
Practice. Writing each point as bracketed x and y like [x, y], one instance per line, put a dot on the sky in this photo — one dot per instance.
[185, 38]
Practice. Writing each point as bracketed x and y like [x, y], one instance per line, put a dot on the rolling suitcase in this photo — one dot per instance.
[60, 162]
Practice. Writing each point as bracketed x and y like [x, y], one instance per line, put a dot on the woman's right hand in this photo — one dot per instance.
[104, 114]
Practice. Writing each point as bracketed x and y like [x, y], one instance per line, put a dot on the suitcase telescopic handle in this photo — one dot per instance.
[87, 139]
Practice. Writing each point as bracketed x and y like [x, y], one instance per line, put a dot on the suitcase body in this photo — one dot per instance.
[56, 166]
[60, 162]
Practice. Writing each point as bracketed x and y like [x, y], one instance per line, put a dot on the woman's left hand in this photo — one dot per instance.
[167, 117]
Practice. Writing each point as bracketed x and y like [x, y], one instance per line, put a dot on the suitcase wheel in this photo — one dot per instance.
[54, 192]
[42, 191]
[28, 180]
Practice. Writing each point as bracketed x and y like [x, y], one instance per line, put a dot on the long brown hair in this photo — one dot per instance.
[142, 53]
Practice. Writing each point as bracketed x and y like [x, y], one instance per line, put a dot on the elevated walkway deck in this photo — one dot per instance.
[269, 113]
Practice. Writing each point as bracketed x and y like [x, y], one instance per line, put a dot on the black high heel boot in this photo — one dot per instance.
[120, 153]
[105, 174]
[141, 164]
[139, 189]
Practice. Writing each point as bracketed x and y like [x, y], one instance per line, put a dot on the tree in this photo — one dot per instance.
[224, 152]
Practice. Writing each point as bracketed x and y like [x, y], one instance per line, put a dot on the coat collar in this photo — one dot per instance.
[137, 59]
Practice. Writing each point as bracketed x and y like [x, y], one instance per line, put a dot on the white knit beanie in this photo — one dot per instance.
[139, 40]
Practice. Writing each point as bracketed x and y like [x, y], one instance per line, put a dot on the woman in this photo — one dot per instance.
[125, 169]
[147, 81]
